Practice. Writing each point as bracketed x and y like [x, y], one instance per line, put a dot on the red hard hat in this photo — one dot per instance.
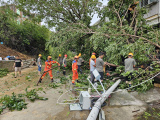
[93, 53]
[65, 55]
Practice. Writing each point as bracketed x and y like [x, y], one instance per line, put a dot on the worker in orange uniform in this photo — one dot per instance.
[74, 70]
[91, 59]
[48, 66]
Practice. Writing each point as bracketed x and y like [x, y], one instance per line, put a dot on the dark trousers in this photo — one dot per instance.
[129, 77]
[79, 69]
[92, 77]
[64, 71]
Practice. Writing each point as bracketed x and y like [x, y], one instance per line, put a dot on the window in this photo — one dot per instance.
[146, 2]
[153, 1]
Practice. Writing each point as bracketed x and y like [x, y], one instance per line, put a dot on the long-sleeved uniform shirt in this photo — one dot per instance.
[48, 64]
[74, 66]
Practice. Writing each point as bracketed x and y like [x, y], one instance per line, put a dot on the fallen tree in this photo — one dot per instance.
[125, 32]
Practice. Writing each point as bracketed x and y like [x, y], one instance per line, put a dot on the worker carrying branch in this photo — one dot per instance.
[74, 70]
[48, 68]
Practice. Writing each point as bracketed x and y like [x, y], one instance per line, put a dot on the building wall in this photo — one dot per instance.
[153, 10]
[21, 17]
[153, 15]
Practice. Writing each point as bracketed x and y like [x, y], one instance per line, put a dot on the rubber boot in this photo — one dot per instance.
[52, 80]
[78, 81]
[40, 80]
[64, 72]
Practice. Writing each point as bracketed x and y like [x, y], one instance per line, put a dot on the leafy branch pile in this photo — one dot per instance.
[3, 72]
[137, 77]
[17, 102]
[32, 95]
[12, 103]
[53, 85]
[63, 80]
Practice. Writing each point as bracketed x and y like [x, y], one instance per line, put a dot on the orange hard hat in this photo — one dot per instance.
[49, 57]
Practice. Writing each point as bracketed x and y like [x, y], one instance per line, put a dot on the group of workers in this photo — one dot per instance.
[95, 63]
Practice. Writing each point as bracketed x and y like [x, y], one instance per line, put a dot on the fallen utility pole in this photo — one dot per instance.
[95, 110]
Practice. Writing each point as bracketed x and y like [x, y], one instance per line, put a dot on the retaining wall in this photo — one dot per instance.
[9, 64]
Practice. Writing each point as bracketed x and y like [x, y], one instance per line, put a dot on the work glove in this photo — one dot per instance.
[108, 74]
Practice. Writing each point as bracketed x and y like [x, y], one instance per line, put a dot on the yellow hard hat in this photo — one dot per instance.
[60, 55]
[79, 55]
[131, 54]
[49, 57]
[93, 57]
[76, 57]
[39, 55]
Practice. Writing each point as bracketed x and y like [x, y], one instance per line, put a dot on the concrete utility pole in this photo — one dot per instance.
[95, 110]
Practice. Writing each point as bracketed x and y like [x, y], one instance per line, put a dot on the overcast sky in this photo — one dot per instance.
[95, 17]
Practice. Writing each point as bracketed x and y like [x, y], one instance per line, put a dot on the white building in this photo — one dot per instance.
[153, 15]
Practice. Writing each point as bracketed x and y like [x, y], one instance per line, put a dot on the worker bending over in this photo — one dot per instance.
[74, 70]
[48, 66]
[129, 67]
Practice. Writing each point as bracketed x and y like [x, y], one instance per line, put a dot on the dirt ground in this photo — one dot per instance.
[121, 105]
[38, 110]
[5, 51]
[9, 84]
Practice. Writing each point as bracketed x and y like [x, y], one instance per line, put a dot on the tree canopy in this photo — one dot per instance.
[56, 12]
[126, 31]
[25, 36]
